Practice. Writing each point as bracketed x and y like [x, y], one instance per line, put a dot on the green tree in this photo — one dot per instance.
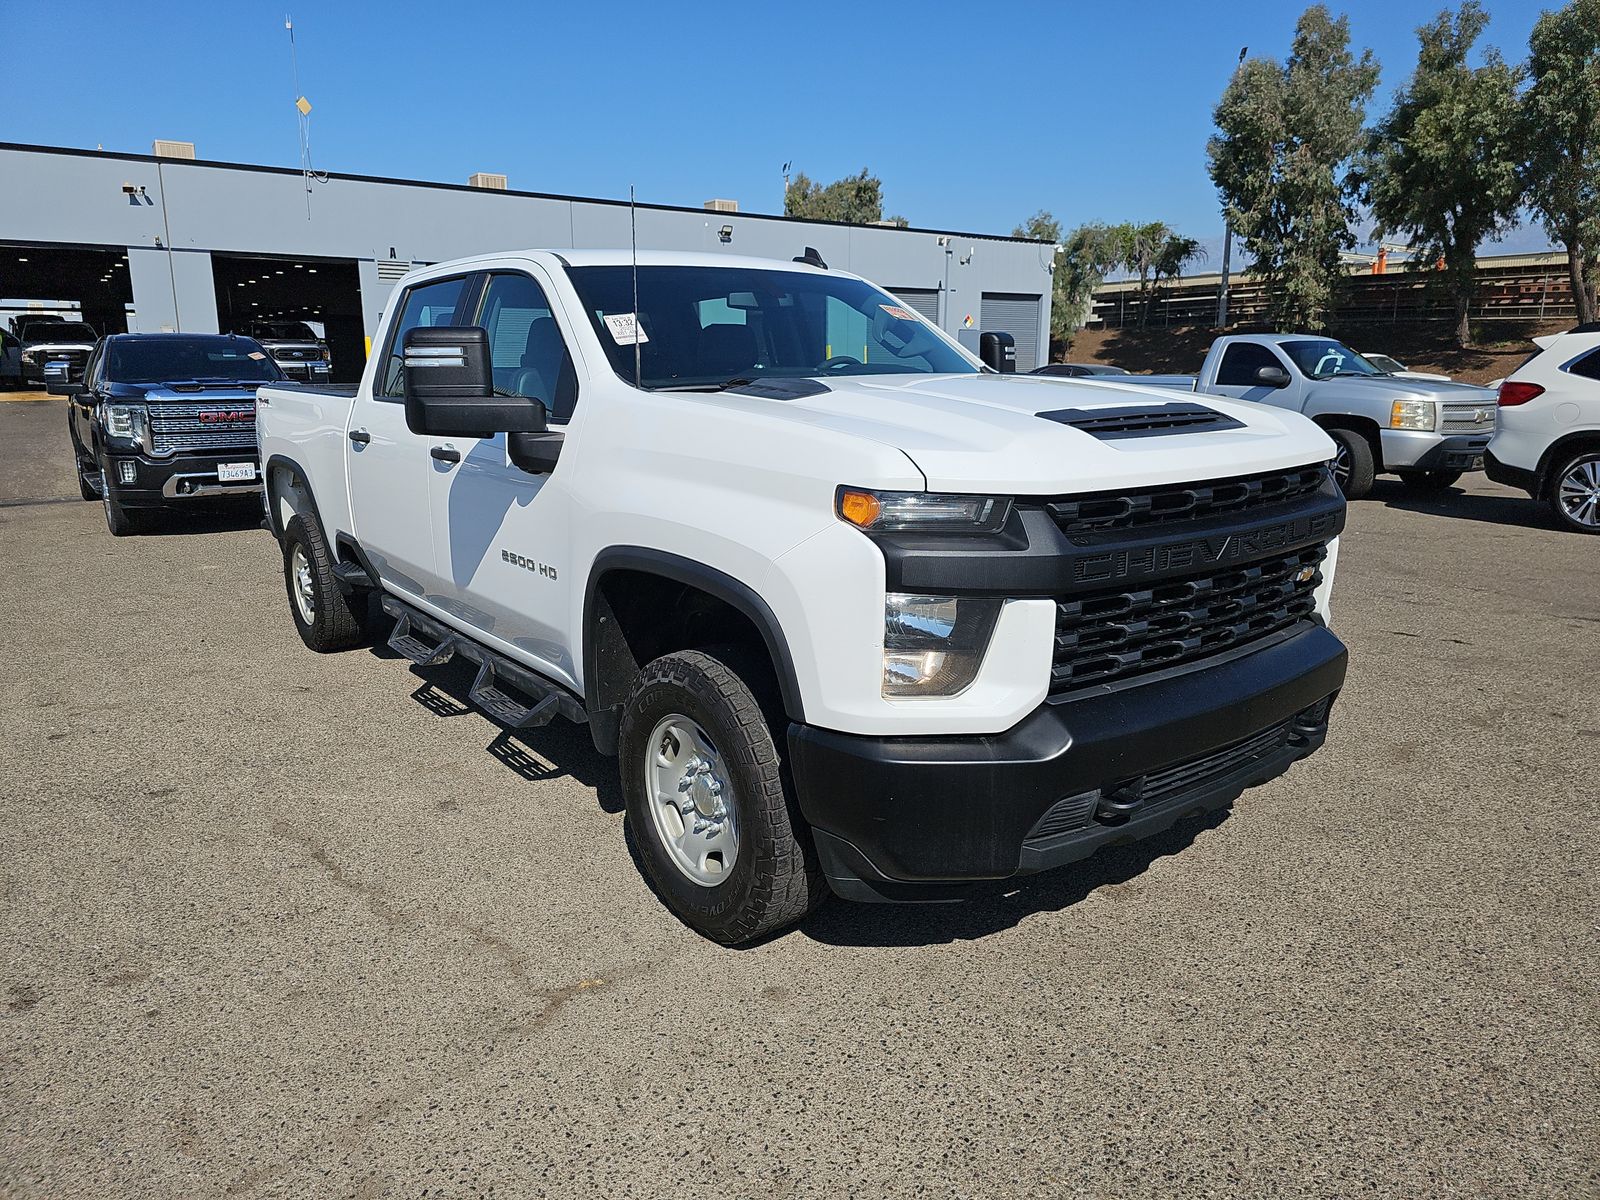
[1286, 135]
[855, 199]
[1561, 128]
[1176, 253]
[1443, 167]
[1086, 255]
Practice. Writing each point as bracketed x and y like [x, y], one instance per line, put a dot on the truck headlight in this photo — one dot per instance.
[934, 645]
[130, 422]
[1412, 414]
[920, 512]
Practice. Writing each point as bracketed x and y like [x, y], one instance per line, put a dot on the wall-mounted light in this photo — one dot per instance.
[725, 234]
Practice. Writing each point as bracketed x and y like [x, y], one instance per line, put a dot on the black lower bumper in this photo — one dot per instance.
[1517, 477]
[1462, 453]
[929, 818]
[164, 482]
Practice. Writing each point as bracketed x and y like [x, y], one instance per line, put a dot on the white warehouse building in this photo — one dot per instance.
[170, 242]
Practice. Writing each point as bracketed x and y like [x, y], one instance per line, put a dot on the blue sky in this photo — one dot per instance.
[975, 115]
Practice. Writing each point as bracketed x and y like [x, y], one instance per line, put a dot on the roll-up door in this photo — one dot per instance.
[1018, 315]
[924, 300]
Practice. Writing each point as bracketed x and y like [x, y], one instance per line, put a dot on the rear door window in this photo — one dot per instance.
[1588, 366]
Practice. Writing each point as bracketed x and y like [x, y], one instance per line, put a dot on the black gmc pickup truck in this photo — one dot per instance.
[165, 419]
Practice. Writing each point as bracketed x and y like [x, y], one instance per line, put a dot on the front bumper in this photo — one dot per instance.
[162, 482]
[922, 818]
[1414, 450]
[304, 371]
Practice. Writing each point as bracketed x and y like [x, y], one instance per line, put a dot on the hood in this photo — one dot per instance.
[47, 346]
[180, 391]
[1398, 387]
[985, 433]
[289, 344]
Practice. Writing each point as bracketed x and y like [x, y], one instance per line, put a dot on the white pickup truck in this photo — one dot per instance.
[854, 611]
[1426, 431]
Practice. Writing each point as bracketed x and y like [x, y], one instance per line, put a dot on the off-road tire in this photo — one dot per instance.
[1567, 465]
[1429, 481]
[775, 879]
[337, 620]
[1358, 482]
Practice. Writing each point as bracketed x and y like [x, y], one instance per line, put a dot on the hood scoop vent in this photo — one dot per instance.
[1143, 420]
[781, 389]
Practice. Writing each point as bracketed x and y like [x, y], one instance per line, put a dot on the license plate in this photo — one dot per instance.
[236, 472]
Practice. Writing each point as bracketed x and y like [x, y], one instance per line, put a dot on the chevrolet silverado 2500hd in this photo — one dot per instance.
[1425, 431]
[853, 611]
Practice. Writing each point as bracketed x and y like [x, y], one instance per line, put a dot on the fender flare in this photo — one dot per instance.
[730, 591]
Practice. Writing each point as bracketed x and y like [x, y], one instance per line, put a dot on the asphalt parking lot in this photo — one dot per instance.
[288, 925]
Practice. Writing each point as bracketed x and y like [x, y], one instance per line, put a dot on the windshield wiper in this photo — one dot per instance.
[737, 381]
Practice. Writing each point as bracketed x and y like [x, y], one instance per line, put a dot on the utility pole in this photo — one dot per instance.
[1227, 237]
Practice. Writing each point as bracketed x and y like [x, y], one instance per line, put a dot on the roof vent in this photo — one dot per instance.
[165, 149]
[723, 205]
[483, 179]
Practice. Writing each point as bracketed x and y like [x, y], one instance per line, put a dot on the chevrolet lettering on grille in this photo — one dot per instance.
[1142, 561]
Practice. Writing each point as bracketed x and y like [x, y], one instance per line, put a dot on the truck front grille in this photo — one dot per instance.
[1139, 509]
[1113, 634]
[227, 425]
[1458, 418]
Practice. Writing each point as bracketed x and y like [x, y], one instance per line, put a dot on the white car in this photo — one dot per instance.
[1548, 440]
[855, 610]
[1393, 366]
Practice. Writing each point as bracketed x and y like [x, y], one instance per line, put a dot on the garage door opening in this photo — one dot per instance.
[324, 293]
[79, 283]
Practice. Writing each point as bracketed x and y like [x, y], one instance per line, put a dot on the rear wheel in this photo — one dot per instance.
[325, 617]
[707, 802]
[1429, 481]
[1575, 492]
[1353, 466]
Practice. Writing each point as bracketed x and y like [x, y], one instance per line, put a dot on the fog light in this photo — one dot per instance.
[127, 472]
[934, 645]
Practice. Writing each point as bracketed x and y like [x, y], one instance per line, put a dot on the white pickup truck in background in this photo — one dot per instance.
[854, 611]
[1428, 432]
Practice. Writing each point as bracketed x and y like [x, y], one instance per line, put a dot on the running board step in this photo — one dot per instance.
[352, 577]
[536, 701]
[406, 644]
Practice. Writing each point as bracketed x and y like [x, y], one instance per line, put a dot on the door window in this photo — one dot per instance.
[526, 350]
[1588, 366]
[426, 304]
[1241, 361]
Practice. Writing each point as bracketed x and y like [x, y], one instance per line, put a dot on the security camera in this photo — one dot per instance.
[129, 189]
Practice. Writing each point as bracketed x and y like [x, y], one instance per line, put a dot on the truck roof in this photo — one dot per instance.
[646, 258]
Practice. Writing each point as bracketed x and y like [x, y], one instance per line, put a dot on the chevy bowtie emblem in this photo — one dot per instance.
[1479, 416]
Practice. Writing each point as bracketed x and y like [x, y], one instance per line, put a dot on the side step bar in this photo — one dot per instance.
[426, 642]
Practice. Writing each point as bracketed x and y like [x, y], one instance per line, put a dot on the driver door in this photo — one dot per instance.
[1236, 375]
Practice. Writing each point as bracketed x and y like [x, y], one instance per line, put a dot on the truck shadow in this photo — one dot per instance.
[563, 750]
[1513, 509]
[187, 522]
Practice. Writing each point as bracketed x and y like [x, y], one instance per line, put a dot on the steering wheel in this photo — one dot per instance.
[838, 361]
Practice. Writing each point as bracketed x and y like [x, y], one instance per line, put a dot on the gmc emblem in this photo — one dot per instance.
[226, 416]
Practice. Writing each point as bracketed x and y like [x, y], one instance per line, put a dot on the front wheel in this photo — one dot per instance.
[1429, 481]
[1575, 492]
[1353, 465]
[324, 616]
[707, 803]
[120, 521]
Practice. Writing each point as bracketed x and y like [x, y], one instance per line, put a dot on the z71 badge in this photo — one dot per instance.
[527, 564]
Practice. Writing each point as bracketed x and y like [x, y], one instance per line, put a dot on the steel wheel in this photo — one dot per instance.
[305, 585]
[1578, 493]
[691, 800]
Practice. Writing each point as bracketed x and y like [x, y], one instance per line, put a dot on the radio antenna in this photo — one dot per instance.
[303, 108]
[638, 324]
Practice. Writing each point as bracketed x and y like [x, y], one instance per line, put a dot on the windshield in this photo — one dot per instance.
[285, 331]
[175, 359]
[62, 331]
[708, 327]
[1323, 358]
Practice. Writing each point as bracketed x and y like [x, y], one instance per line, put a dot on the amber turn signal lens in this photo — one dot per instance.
[861, 509]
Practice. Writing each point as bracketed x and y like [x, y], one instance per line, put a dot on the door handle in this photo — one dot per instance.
[360, 437]
[446, 454]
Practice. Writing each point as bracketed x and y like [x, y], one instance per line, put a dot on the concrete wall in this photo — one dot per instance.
[187, 208]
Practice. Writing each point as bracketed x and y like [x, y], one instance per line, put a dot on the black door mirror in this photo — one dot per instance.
[1272, 377]
[449, 386]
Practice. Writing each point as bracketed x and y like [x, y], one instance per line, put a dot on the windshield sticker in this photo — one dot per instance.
[256, 354]
[898, 313]
[625, 329]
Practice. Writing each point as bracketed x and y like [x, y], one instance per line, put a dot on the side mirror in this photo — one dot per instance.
[998, 350]
[1272, 377]
[449, 386]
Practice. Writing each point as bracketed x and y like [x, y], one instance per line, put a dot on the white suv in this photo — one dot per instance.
[1548, 440]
